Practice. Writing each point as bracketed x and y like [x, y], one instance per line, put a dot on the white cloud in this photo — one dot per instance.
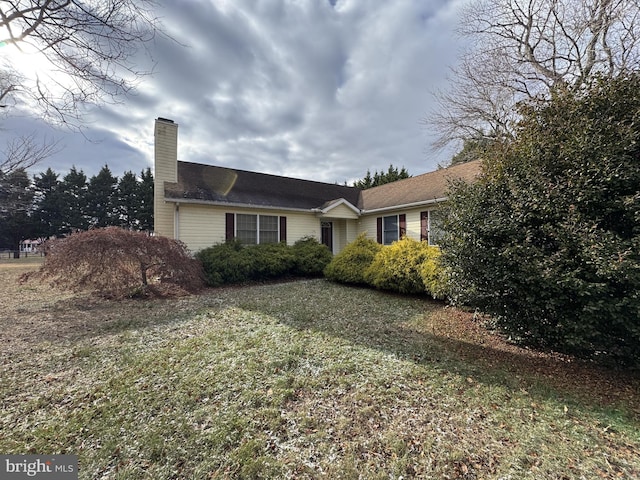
[313, 89]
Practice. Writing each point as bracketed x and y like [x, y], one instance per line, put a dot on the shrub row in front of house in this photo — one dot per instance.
[233, 263]
[406, 266]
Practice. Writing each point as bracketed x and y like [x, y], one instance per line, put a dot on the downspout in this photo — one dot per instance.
[176, 233]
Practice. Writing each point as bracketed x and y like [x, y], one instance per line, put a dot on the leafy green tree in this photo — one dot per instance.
[548, 241]
[74, 197]
[380, 178]
[101, 199]
[49, 208]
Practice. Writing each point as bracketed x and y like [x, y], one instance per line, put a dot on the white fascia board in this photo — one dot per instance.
[235, 205]
[406, 205]
[342, 201]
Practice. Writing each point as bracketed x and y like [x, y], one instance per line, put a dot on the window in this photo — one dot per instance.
[389, 229]
[430, 230]
[247, 228]
[268, 232]
[255, 229]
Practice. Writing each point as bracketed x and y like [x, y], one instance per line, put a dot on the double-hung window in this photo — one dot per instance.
[253, 229]
[390, 232]
[391, 228]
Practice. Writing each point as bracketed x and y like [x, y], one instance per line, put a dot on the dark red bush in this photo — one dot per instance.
[118, 263]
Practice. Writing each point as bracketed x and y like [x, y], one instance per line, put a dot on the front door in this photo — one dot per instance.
[326, 234]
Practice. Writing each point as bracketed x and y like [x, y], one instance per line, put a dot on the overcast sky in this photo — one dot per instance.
[317, 89]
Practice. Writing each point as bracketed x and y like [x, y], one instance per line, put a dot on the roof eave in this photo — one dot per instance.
[432, 201]
[194, 201]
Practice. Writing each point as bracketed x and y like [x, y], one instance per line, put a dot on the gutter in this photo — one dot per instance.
[234, 205]
[316, 210]
[406, 205]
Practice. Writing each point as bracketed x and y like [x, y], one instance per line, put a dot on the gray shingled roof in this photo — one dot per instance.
[226, 185]
[206, 183]
[421, 188]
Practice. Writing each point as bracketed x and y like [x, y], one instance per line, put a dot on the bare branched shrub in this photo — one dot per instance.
[118, 263]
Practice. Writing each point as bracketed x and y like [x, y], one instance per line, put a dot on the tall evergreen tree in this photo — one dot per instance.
[49, 208]
[380, 178]
[16, 198]
[74, 190]
[101, 203]
[145, 201]
[127, 201]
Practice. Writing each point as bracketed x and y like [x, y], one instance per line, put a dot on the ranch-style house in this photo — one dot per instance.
[203, 205]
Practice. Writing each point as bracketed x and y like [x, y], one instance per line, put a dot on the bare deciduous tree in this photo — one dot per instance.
[89, 44]
[24, 152]
[521, 49]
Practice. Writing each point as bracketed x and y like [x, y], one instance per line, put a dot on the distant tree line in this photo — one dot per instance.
[380, 178]
[49, 206]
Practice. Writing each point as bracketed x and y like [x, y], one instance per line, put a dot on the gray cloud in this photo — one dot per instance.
[318, 90]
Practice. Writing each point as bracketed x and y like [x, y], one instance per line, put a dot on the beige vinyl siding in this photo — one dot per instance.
[413, 223]
[165, 170]
[344, 232]
[300, 225]
[368, 222]
[341, 211]
[163, 219]
[201, 226]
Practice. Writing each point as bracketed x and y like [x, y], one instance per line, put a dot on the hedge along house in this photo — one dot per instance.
[203, 205]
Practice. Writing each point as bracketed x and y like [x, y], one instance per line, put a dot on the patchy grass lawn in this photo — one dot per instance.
[299, 380]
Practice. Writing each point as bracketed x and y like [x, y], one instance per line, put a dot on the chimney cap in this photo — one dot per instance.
[165, 120]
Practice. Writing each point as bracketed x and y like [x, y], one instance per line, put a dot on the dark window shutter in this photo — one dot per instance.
[283, 229]
[379, 228]
[402, 223]
[230, 229]
[424, 225]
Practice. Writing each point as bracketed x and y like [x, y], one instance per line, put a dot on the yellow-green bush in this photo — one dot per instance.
[399, 266]
[433, 273]
[349, 265]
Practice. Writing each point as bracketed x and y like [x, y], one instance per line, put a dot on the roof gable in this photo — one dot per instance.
[343, 208]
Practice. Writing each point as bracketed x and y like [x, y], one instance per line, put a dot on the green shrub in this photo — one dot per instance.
[269, 260]
[548, 240]
[311, 257]
[349, 265]
[232, 262]
[225, 263]
[399, 267]
[433, 273]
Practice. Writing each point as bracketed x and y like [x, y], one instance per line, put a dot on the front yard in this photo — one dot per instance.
[298, 380]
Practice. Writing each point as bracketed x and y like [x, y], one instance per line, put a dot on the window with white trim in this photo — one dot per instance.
[257, 229]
